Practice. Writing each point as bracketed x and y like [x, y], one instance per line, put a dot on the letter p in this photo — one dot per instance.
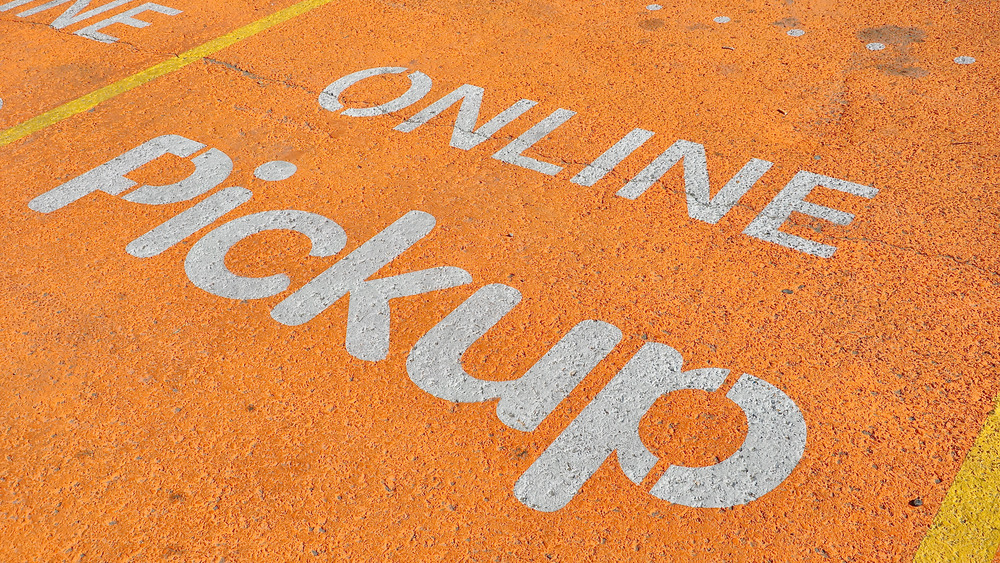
[211, 169]
[774, 444]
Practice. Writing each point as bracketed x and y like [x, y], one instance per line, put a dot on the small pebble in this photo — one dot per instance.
[917, 502]
[796, 32]
[875, 46]
[963, 60]
[722, 19]
[654, 7]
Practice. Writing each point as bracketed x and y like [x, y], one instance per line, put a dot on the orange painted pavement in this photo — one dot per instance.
[144, 419]
[44, 67]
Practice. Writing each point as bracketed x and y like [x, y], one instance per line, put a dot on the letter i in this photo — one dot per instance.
[204, 213]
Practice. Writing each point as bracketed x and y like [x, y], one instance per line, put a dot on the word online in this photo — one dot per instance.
[701, 205]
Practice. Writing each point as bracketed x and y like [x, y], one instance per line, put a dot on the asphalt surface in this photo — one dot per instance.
[499, 281]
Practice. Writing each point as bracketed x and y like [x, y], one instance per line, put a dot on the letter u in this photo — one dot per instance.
[435, 363]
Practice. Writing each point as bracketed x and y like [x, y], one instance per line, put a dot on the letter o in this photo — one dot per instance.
[420, 86]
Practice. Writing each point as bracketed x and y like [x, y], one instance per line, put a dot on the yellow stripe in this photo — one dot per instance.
[94, 98]
[967, 528]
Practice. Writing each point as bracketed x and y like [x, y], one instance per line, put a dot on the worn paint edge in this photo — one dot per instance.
[967, 527]
[88, 101]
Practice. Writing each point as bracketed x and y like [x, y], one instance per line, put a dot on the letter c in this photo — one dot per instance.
[205, 263]
[420, 86]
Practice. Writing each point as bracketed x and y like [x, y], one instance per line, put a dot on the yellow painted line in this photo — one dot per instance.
[967, 528]
[96, 97]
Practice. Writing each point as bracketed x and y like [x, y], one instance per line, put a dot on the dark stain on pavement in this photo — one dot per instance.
[897, 60]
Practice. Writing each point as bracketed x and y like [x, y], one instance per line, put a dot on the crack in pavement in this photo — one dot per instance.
[923, 253]
[257, 77]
